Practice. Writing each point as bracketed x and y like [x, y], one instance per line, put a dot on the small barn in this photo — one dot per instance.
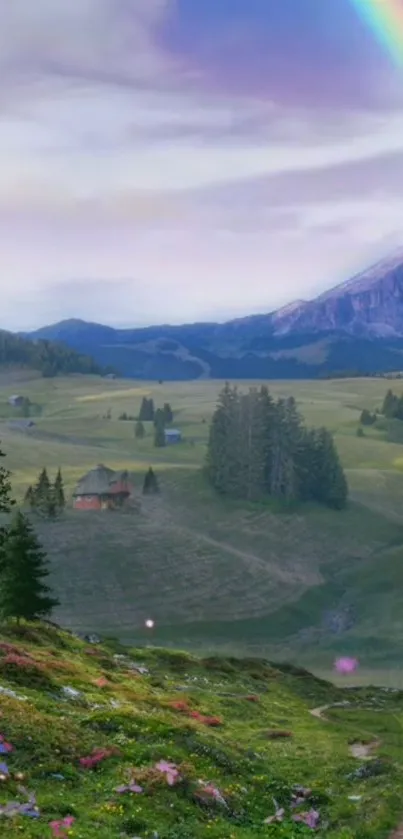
[16, 401]
[172, 435]
[102, 489]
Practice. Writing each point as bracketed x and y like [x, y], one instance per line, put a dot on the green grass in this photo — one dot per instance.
[216, 575]
[133, 718]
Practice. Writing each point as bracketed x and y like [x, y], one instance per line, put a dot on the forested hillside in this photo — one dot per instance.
[47, 357]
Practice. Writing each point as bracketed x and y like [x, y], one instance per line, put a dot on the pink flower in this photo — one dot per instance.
[214, 792]
[101, 682]
[169, 770]
[311, 819]
[346, 665]
[59, 828]
[132, 787]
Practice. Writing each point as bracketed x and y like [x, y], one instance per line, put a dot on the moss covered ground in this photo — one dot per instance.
[98, 741]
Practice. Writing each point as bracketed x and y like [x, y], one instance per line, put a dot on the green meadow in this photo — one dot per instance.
[216, 575]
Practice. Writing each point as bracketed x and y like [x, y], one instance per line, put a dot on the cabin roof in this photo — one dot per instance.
[100, 481]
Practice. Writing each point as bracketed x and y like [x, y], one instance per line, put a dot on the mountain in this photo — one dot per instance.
[355, 328]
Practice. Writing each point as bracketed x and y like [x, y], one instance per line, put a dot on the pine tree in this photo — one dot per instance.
[146, 413]
[168, 413]
[222, 462]
[159, 418]
[328, 484]
[390, 405]
[29, 497]
[159, 433]
[150, 484]
[139, 430]
[58, 492]
[23, 570]
[6, 501]
[43, 496]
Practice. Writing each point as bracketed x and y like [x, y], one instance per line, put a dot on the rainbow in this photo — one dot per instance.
[385, 18]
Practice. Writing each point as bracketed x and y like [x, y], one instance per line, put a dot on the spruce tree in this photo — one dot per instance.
[159, 433]
[146, 413]
[43, 496]
[389, 406]
[59, 497]
[150, 484]
[222, 462]
[168, 413]
[29, 497]
[6, 501]
[23, 571]
[139, 430]
[159, 418]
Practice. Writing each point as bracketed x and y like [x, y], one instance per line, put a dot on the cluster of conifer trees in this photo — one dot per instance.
[392, 407]
[161, 417]
[259, 446]
[46, 498]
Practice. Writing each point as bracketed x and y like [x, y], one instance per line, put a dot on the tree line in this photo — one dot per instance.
[259, 446]
[24, 569]
[49, 358]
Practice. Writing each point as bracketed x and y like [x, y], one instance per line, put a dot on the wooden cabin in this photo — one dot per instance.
[102, 489]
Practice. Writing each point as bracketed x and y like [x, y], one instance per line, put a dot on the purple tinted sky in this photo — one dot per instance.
[190, 159]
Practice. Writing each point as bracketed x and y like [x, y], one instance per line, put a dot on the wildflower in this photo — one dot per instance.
[60, 827]
[15, 808]
[311, 818]
[96, 757]
[169, 770]
[132, 787]
[101, 682]
[5, 747]
[180, 705]
[210, 791]
[278, 816]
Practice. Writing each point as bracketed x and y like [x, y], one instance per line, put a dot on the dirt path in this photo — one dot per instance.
[318, 713]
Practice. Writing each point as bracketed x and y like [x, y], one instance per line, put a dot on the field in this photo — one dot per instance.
[217, 575]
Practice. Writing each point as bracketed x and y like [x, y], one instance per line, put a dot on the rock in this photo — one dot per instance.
[92, 639]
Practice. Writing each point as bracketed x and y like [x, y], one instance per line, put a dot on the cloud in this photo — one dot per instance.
[98, 39]
[119, 158]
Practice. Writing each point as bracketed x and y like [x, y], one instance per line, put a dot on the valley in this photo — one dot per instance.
[217, 574]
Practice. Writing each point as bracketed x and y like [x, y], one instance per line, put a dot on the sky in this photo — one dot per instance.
[185, 160]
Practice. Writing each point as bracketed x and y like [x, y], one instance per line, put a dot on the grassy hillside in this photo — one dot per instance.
[215, 574]
[208, 747]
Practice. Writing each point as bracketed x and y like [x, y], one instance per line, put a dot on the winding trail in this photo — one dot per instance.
[319, 714]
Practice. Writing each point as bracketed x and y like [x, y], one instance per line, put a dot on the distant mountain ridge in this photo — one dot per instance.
[356, 327]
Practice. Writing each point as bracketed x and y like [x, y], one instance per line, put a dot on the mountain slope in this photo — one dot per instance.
[101, 741]
[354, 328]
